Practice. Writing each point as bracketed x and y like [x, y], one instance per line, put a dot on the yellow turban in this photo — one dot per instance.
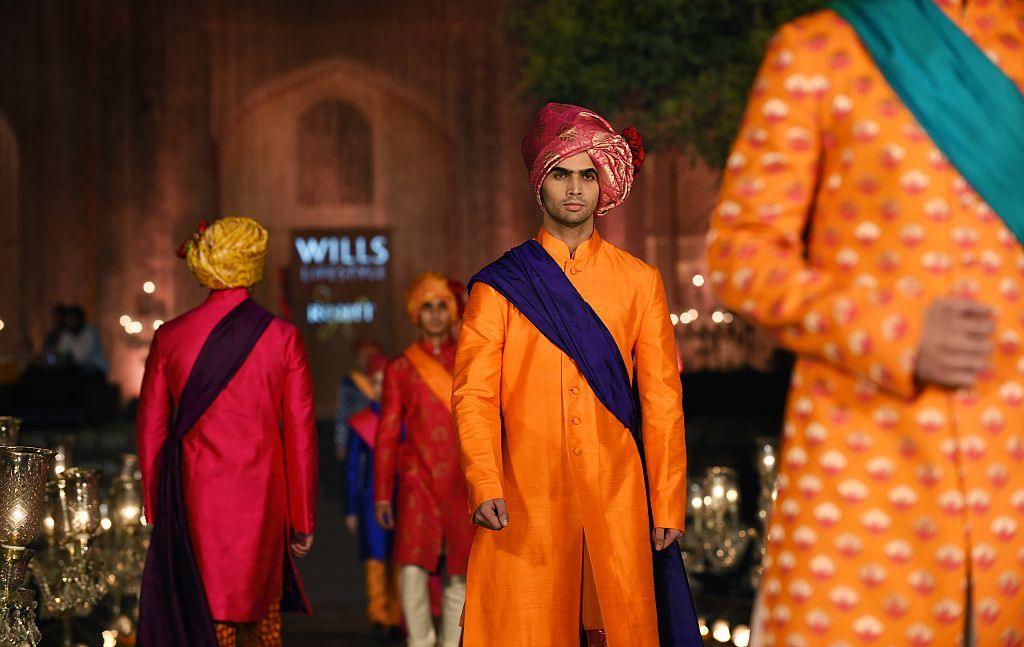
[228, 254]
[427, 287]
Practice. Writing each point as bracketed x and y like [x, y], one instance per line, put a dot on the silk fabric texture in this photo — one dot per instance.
[839, 222]
[173, 609]
[946, 81]
[537, 286]
[250, 463]
[562, 130]
[532, 431]
[228, 254]
[420, 471]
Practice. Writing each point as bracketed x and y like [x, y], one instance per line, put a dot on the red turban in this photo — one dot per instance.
[377, 362]
[561, 131]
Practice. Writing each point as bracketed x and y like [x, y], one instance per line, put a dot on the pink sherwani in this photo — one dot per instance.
[249, 465]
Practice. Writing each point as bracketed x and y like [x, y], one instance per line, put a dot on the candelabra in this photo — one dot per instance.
[10, 428]
[63, 458]
[23, 472]
[149, 308]
[124, 546]
[724, 539]
[766, 471]
[692, 543]
[69, 573]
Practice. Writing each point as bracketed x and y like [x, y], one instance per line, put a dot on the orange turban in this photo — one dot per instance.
[427, 287]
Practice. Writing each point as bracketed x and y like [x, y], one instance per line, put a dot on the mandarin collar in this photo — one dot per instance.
[560, 251]
[447, 345]
[230, 295]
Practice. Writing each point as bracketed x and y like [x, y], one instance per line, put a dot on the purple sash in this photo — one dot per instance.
[174, 611]
[531, 280]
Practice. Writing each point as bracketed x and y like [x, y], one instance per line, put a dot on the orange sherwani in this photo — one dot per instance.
[532, 431]
[839, 223]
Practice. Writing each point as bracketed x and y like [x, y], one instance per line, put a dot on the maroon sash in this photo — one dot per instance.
[174, 611]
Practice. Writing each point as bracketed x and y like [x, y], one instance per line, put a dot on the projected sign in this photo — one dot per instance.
[342, 257]
[339, 289]
[342, 275]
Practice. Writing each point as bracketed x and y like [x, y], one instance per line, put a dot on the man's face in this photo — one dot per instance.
[570, 190]
[435, 318]
[377, 381]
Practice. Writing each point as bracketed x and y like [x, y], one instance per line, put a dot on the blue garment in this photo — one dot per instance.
[531, 280]
[374, 541]
[350, 401]
[968, 106]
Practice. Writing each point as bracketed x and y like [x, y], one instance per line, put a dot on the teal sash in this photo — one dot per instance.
[968, 106]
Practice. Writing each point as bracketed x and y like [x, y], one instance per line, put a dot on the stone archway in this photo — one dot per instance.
[409, 156]
[291, 156]
[12, 309]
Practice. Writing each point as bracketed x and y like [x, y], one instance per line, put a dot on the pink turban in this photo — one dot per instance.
[561, 131]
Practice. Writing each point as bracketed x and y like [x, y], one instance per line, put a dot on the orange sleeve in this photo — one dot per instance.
[756, 251]
[152, 424]
[661, 401]
[476, 400]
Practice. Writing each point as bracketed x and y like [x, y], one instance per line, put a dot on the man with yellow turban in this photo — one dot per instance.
[433, 531]
[557, 334]
[227, 444]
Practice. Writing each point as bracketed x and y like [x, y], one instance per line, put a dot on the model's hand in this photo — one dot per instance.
[491, 514]
[663, 537]
[341, 454]
[352, 523]
[385, 515]
[955, 343]
[301, 543]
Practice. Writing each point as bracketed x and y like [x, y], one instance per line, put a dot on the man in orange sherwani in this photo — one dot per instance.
[846, 228]
[554, 475]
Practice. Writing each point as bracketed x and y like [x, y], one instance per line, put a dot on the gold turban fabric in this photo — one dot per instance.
[426, 288]
[228, 254]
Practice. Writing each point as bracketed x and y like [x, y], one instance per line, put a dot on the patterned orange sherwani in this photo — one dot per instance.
[532, 431]
[839, 223]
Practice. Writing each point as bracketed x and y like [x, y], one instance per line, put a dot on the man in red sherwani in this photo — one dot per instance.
[434, 529]
[237, 486]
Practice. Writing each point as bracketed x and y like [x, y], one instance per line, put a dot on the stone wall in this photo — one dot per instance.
[132, 120]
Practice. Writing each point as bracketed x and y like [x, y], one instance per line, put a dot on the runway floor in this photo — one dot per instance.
[333, 578]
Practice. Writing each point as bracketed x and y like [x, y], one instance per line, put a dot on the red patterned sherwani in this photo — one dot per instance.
[432, 505]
